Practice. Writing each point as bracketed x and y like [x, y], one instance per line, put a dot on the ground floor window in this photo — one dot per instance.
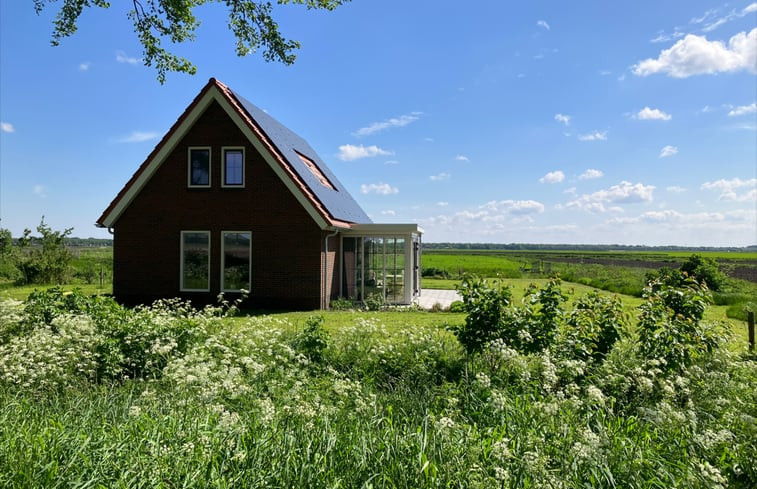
[236, 252]
[195, 261]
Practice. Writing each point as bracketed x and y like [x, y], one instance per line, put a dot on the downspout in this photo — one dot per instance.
[327, 293]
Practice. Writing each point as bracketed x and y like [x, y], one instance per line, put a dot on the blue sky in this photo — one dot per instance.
[486, 121]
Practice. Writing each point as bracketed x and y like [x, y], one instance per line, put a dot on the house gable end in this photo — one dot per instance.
[217, 92]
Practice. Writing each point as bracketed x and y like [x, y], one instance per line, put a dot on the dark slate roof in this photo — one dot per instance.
[339, 203]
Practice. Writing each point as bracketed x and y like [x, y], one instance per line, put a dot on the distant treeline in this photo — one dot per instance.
[88, 242]
[578, 247]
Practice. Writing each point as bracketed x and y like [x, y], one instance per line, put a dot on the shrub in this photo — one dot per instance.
[592, 327]
[342, 304]
[375, 301]
[313, 339]
[670, 323]
[486, 307]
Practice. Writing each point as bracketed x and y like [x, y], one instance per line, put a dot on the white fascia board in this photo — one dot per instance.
[373, 229]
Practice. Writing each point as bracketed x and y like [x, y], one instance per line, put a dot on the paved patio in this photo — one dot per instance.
[429, 297]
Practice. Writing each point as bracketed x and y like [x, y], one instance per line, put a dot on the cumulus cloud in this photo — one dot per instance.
[138, 137]
[122, 57]
[695, 55]
[7, 127]
[743, 110]
[553, 177]
[399, 121]
[623, 193]
[593, 136]
[462, 158]
[543, 24]
[439, 177]
[565, 119]
[351, 152]
[378, 188]
[591, 174]
[668, 151]
[733, 189]
[647, 114]
[84, 66]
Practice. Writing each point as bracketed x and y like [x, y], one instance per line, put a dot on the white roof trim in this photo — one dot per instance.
[213, 94]
[379, 229]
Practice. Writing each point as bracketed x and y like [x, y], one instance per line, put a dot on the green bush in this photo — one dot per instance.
[313, 339]
[670, 325]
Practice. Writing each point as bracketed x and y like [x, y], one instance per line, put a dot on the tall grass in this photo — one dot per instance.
[250, 406]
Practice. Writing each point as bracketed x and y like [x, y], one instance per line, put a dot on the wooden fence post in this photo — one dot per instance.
[750, 326]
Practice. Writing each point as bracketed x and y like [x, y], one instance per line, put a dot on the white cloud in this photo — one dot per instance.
[388, 213]
[668, 151]
[695, 55]
[728, 189]
[553, 177]
[543, 24]
[732, 15]
[122, 57]
[7, 127]
[565, 119]
[378, 188]
[462, 158]
[662, 37]
[350, 152]
[593, 136]
[439, 177]
[138, 137]
[391, 162]
[84, 66]
[623, 193]
[399, 121]
[647, 114]
[591, 174]
[516, 207]
[40, 190]
[743, 110]
[442, 204]
[675, 189]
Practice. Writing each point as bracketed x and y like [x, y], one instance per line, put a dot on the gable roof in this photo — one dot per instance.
[286, 152]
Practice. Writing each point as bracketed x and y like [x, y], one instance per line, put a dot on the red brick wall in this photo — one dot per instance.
[286, 242]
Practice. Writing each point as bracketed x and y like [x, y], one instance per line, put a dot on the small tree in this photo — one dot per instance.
[8, 256]
[44, 259]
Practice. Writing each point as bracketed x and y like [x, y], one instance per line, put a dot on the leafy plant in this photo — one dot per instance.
[670, 325]
[313, 340]
[375, 301]
[486, 308]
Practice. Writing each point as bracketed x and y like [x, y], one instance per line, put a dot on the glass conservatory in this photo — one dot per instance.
[382, 259]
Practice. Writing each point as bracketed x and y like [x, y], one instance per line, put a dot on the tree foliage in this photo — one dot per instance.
[156, 21]
[43, 259]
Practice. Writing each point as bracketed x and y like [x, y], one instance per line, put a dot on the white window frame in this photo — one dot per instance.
[189, 166]
[223, 261]
[224, 149]
[181, 261]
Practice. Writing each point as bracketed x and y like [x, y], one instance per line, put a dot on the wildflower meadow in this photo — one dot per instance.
[527, 394]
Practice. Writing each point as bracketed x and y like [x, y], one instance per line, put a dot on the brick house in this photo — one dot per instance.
[230, 199]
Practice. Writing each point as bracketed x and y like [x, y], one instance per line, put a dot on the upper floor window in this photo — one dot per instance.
[233, 167]
[199, 167]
